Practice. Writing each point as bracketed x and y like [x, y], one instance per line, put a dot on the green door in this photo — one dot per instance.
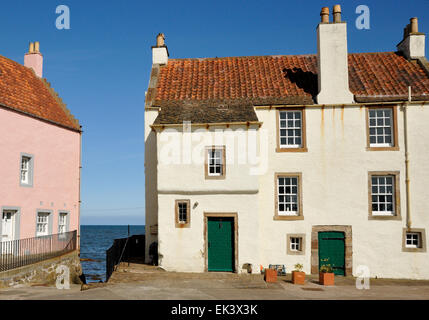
[220, 236]
[332, 251]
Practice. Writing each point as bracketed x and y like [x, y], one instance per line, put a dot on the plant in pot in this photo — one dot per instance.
[298, 276]
[326, 275]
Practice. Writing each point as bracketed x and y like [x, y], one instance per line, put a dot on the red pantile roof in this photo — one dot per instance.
[22, 91]
[264, 80]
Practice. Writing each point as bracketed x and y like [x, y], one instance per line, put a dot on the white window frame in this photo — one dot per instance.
[42, 219]
[295, 244]
[286, 126]
[62, 222]
[26, 168]
[380, 193]
[377, 127]
[288, 196]
[215, 161]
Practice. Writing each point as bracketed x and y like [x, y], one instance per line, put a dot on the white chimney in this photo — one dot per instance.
[332, 59]
[413, 44]
[160, 51]
[34, 59]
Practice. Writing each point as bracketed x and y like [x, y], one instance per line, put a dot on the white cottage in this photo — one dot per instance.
[312, 159]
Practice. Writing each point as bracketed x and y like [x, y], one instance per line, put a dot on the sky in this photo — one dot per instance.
[101, 66]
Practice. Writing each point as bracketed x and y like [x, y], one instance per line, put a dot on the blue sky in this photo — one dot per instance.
[101, 66]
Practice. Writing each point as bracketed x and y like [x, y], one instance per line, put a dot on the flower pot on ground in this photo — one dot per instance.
[270, 275]
[326, 276]
[298, 276]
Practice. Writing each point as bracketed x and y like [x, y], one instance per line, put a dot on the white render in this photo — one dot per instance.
[413, 46]
[335, 192]
[159, 55]
[333, 71]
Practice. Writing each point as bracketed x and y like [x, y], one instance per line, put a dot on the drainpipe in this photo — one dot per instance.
[80, 173]
[407, 160]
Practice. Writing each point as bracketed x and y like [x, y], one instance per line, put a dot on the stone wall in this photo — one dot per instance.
[43, 273]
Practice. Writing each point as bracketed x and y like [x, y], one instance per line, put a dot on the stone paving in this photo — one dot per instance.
[150, 283]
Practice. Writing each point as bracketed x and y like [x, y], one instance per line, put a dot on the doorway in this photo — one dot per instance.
[221, 243]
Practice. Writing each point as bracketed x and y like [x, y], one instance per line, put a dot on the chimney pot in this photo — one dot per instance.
[160, 40]
[414, 25]
[337, 13]
[31, 47]
[37, 46]
[325, 15]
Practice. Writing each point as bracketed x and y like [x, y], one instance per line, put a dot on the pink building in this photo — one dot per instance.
[40, 154]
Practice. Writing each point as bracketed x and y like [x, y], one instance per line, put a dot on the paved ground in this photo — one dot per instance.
[148, 283]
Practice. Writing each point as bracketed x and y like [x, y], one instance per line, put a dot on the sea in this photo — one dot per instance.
[94, 242]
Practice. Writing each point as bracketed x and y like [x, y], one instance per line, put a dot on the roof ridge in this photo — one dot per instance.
[273, 56]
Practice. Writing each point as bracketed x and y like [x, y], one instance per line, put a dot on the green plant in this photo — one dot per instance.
[326, 268]
[298, 267]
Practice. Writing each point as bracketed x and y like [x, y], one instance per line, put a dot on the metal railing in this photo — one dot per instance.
[18, 253]
[124, 250]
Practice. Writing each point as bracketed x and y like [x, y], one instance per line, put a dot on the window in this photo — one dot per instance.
[384, 195]
[414, 240]
[288, 196]
[183, 217]
[62, 222]
[291, 130]
[215, 163]
[295, 244]
[42, 224]
[26, 170]
[381, 128]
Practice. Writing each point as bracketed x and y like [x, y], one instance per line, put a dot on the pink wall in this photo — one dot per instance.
[56, 154]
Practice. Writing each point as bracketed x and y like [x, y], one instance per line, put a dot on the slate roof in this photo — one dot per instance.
[22, 91]
[278, 80]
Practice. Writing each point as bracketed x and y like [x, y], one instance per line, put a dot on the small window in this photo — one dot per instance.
[62, 222]
[42, 226]
[383, 195]
[290, 125]
[215, 163]
[295, 244]
[26, 170]
[183, 211]
[288, 204]
[414, 240]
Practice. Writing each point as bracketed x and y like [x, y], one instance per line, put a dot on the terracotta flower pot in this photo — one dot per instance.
[298, 277]
[326, 278]
[270, 275]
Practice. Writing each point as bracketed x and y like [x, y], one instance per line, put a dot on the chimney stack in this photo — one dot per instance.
[34, 59]
[160, 51]
[332, 59]
[413, 43]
